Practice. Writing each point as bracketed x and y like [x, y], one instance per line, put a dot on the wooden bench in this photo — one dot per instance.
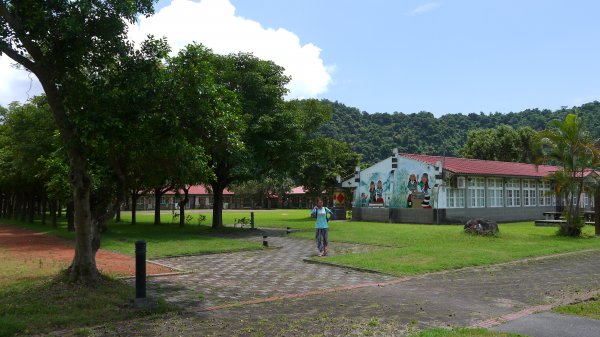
[555, 222]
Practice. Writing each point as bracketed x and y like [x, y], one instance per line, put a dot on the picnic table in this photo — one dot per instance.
[589, 215]
[552, 215]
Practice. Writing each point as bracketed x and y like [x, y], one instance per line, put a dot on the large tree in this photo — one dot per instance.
[322, 162]
[503, 143]
[68, 45]
[236, 105]
[568, 143]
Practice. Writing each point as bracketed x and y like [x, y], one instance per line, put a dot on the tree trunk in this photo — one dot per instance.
[217, 205]
[22, 207]
[182, 207]
[2, 203]
[597, 211]
[70, 217]
[83, 268]
[118, 218]
[43, 202]
[157, 197]
[31, 208]
[134, 198]
[53, 213]
[14, 206]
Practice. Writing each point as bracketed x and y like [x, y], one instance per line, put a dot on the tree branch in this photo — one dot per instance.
[22, 60]
[17, 26]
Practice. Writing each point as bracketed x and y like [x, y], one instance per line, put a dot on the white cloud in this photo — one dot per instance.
[215, 24]
[16, 84]
[425, 8]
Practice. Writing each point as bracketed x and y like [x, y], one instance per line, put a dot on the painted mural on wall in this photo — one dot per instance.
[409, 186]
[413, 187]
[375, 187]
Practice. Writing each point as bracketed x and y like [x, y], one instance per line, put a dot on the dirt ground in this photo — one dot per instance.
[29, 245]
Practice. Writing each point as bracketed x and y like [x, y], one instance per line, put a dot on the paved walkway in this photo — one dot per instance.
[222, 279]
[350, 302]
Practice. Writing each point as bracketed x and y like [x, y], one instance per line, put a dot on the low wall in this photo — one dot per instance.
[448, 216]
[499, 214]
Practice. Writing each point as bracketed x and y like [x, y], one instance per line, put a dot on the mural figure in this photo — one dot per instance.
[363, 200]
[372, 192]
[379, 192]
[412, 187]
[426, 190]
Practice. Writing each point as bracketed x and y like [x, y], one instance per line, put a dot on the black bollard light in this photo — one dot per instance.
[288, 230]
[265, 242]
[140, 269]
[252, 220]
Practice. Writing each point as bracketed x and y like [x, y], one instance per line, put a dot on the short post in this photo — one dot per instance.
[265, 242]
[252, 220]
[140, 269]
[288, 230]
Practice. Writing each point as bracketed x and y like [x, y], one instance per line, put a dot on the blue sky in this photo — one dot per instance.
[448, 56]
[452, 56]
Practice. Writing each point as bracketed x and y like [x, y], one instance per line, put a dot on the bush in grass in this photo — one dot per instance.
[482, 227]
[201, 219]
[242, 222]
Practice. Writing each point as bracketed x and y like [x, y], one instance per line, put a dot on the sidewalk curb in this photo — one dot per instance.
[535, 309]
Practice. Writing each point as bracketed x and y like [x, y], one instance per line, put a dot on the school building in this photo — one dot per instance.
[412, 188]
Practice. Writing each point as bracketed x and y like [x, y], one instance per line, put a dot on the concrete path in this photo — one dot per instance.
[548, 324]
[221, 279]
[274, 293]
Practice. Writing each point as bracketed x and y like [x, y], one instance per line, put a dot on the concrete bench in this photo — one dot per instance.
[555, 222]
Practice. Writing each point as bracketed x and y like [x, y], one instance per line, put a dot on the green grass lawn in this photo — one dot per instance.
[277, 218]
[403, 249]
[398, 249]
[590, 309]
[464, 332]
[34, 299]
[167, 239]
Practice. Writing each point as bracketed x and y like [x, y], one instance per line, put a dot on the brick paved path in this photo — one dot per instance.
[242, 276]
[467, 297]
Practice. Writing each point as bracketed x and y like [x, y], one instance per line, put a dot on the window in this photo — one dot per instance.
[545, 197]
[455, 198]
[513, 193]
[477, 192]
[495, 192]
[529, 192]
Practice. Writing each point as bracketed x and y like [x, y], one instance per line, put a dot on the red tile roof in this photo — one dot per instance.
[200, 190]
[298, 190]
[485, 167]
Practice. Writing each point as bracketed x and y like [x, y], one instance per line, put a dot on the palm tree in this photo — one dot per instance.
[569, 144]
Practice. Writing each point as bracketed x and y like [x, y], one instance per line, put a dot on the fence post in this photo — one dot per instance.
[140, 269]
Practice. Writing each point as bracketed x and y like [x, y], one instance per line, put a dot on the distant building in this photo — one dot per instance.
[201, 197]
[412, 188]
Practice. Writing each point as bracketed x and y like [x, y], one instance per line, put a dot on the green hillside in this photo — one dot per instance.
[375, 135]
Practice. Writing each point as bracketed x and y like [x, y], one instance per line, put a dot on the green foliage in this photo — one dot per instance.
[322, 162]
[569, 143]
[242, 222]
[374, 135]
[502, 143]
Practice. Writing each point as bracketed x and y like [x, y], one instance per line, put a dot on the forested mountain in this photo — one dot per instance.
[375, 135]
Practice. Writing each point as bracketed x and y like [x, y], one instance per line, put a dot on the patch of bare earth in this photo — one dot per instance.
[27, 245]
